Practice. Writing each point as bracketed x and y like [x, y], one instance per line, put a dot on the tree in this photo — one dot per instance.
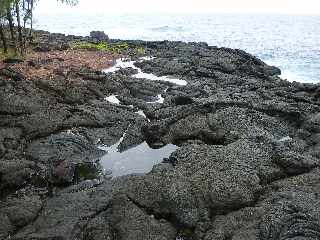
[19, 12]
[3, 39]
[3, 10]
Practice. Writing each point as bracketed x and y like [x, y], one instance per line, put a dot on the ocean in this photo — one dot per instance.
[290, 42]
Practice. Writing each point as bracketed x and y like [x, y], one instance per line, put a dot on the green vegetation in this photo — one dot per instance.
[186, 233]
[9, 53]
[140, 50]
[16, 23]
[116, 48]
[86, 171]
[119, 48]
[90, 46]
[16, 16]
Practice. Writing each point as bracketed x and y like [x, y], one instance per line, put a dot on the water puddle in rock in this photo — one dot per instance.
[120, 63]
[124, 63]
[141, 113]
[113, 99]
[153, 77]
[159, 100]
[139, 159]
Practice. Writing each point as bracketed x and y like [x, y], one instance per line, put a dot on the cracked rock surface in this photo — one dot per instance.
[247, 166]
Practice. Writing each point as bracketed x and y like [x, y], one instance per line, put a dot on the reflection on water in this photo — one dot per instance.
[139, 159]
[113, 99]
[124, 63]
[141, 113]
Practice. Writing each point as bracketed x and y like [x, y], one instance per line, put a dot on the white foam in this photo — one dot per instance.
[113, 99]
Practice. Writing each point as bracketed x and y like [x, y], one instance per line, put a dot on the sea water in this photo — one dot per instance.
[287, 41]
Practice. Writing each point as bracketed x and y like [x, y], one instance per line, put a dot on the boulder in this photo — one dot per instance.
[99, 35]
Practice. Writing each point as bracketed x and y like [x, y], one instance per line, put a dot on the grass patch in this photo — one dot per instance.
[119, 48]
[116, 48]
[140, 50]
[90, 46]
[10, 54]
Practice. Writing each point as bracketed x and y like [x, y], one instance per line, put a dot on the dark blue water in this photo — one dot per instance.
[289, 42]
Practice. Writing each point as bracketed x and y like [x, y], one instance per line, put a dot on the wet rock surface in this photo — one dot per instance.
[247, 166]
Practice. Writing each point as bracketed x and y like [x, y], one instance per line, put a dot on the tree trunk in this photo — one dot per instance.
[20, 37]
[11, 27]
[31, 21]
[25, 19]
[3, 39]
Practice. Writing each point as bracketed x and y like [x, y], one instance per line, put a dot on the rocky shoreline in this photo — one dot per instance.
[246, 167]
